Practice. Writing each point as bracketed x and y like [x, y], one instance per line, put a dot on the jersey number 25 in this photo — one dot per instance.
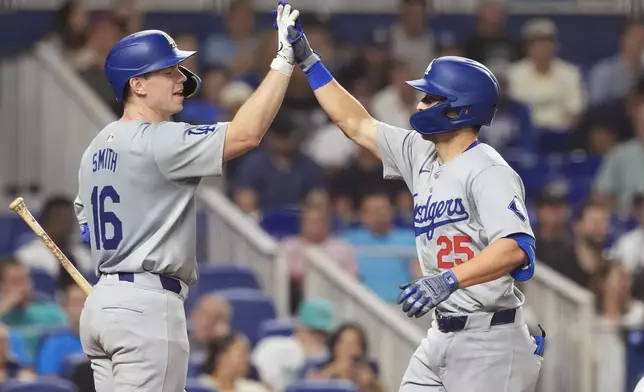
[456, 246]
[102, 218]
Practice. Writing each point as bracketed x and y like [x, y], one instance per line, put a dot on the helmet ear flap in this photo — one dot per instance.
[192, 84]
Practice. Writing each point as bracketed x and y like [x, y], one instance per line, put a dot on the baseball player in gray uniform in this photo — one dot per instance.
[136, 205]
[473, 235]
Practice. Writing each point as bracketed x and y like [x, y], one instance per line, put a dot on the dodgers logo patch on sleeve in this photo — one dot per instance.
[517, 207]
[202, 130]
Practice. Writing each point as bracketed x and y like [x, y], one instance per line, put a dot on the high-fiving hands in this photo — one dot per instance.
[285, 18]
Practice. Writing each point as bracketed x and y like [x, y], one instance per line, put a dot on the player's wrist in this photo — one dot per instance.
[317, 74]
[282, 65]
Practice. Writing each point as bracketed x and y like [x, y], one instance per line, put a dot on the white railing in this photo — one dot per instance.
[234, 236]
[49, 117]
[357, 6]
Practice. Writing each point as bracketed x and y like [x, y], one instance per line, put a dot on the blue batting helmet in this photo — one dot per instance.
[144, 52]
[469, 93]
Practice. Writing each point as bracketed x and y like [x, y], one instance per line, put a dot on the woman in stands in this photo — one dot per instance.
[228, 364]
[349, 360]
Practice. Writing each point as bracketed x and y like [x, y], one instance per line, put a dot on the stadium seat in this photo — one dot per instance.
[322, 386]
[43, 282]
[193, 385]
[42, 385]
[195, 363]
[221, 277]
[281, 223]
[250, 308]
[71, 362]
[275, 328]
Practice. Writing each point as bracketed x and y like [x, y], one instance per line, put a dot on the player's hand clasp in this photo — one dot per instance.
[423, 295]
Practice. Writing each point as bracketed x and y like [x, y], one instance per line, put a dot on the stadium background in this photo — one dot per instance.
[267, 246]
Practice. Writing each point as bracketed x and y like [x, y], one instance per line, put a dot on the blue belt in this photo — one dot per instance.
[457, 323]
[170, 284]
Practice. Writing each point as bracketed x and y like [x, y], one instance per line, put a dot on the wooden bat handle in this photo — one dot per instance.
[20, 208]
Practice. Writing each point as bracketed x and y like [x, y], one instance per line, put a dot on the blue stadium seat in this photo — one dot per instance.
[42, 385]
[322, 386]
[193, 385]
[275, 328]
[250, 307]
[71, 362]
[221, 277]
[281, 223]
[43, 281]
[195, 363]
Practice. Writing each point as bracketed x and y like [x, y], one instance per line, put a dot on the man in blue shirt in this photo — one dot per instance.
[385, 254]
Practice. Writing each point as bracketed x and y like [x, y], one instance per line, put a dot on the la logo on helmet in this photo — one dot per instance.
[170, 40]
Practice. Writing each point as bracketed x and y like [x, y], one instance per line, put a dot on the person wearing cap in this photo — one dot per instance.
[556, 244]
[279, 360]
[551, 87]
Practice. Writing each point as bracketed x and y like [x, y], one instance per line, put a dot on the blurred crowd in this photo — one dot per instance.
[576, 137]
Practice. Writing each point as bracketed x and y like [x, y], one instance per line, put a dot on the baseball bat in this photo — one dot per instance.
[20, 208]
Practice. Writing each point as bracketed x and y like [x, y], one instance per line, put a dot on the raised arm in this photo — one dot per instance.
[343, 109]
[251, 122]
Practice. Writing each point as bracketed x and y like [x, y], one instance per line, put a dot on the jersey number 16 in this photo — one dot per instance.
[456, 246]
[102, 218]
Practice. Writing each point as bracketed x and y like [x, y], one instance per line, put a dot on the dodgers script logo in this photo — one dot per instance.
[430, 215]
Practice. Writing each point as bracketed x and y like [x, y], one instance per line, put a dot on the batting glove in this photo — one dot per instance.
[305, 57]
[423, 295]
[285, 16]
[84, 233]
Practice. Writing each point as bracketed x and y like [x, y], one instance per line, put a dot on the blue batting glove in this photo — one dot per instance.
[84, 233]
[423, 295]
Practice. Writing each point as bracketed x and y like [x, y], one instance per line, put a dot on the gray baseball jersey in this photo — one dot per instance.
[136, 192]
[460, 208]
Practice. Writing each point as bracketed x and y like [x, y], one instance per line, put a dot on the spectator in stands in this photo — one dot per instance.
[512, 131]
[227, 366]
[550, 86]
[629, 248]
[207, 108]
[188, 41]
[10, 368]
[386, 255]
[491, 44]
[70, 30]
[281, 359]
[622, 173]
[609, 122]
[349, 360]
[56, 347]
[350, 186]
[617, 311]
[411, 39]
[328, 146]
[591, 235]
[21, 310]
[614, 77]
[128, 17]
[315, 231]
[371, 63]
[210, 320]
[235, 48]
[58, 220]
[397, 102]
[448, 45]
[556, 243]
[278, 176]
[90, 65]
